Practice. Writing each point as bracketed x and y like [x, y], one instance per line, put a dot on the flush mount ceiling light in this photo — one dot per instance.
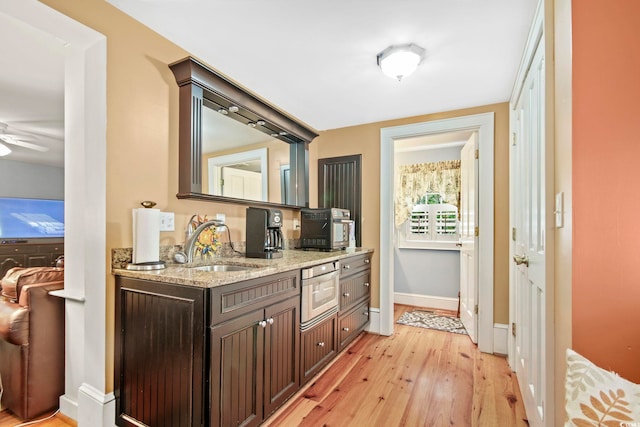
[399, 61]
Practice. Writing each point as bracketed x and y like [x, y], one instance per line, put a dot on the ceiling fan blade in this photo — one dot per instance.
[12, 140]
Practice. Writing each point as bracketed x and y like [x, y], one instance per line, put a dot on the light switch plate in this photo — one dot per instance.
[167, 221]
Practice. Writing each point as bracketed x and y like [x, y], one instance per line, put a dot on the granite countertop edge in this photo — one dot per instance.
[294, 259]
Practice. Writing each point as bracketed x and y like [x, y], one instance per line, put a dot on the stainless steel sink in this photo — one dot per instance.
[222, 268]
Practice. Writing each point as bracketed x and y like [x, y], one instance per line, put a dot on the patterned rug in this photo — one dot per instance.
[431, 320]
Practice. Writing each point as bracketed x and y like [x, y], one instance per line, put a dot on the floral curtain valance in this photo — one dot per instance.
[414, 181]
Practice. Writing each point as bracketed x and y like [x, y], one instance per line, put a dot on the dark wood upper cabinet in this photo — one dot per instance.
[205, 93]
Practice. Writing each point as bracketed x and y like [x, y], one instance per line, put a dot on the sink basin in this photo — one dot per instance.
[222, 267]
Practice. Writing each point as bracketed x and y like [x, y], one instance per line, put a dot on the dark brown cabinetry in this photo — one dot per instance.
[355, 279]
[254, 348]
[319, 346]
[227, 355]
[160, 354]
[28, 255]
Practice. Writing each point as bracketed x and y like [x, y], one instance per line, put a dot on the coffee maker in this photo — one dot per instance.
[264, 233]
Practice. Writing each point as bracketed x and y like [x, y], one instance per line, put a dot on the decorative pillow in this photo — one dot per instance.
[596, 397]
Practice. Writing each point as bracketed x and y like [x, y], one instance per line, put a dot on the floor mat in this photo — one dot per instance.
[430, 320]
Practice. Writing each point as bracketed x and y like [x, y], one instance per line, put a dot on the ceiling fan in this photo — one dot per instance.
[17, 138]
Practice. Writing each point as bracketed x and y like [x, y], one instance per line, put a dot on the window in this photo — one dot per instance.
[430, 226]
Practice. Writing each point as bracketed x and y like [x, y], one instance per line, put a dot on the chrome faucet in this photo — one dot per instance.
[186, 256]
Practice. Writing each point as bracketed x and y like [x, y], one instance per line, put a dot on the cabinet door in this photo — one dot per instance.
[237, 371]
[159, 353]
[319, 346]
[38, 260]
[282, 353]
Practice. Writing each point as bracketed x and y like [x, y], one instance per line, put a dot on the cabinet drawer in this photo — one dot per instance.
[319, 346]
[351, 324]
[354, 264]
[354, 289]
[233, 300]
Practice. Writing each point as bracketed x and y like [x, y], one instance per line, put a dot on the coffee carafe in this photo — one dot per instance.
[264, 233]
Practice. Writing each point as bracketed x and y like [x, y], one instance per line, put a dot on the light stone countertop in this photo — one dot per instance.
[180, 274]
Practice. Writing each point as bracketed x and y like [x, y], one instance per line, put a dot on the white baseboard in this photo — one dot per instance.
[95, 408]
[374, 321]
[69, 407]
[426, 301]
[500, 338]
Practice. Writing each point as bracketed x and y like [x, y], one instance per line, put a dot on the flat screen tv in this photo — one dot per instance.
[31, 218]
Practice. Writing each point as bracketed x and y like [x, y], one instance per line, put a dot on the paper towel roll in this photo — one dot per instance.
[146, 235]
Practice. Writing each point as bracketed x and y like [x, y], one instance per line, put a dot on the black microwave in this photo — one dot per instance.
[325, 228]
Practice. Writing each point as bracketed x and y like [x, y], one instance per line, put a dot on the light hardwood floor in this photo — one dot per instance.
[417, 377]
[7, 419]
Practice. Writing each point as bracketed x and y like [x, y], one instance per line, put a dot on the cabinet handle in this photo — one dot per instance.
[345, 329]
[321, 344]
[366, 313]
[346, 295]
[367, 261]
[270, 320]
[263, 323]
[366, 284]
[346, 266]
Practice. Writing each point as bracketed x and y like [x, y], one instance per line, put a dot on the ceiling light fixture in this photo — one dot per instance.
[399, 61]
[4, 150]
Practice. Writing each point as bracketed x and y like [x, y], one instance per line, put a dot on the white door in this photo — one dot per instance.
[241, 184]
[468, 237]
[533, 326]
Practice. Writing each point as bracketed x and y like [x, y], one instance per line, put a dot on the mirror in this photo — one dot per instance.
[234, 147]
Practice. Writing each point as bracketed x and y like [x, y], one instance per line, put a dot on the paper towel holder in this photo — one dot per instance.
[152, 265]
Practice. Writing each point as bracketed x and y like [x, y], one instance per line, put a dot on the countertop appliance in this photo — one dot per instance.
[319, 293]
[325, 228]
[264, 233]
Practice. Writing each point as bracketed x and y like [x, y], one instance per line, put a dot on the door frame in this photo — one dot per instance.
[484, 124]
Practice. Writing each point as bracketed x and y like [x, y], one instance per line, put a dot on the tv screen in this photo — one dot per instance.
[31, 218]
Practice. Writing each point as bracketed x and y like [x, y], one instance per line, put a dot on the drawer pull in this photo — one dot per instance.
[270, 320]
[366, 313]
[346, 294]
[367, 261]
[366, 284]
[263, 323]
[345, 329]
[321, 344]
[346, 266]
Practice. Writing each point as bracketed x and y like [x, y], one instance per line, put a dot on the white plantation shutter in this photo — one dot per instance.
[429, 226]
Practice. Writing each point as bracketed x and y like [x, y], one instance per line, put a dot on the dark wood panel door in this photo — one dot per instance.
[340, 186]
[237, 371]
[282, 353]
[159, 351]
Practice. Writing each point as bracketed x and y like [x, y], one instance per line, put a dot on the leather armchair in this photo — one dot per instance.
[32, 340]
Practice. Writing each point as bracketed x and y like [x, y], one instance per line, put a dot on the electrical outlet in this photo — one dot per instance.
[296, 224]
[167, 221]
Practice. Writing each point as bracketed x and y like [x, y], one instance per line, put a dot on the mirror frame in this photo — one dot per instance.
[201, 86]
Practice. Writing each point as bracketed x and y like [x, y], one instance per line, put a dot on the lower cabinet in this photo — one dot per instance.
[159, 354]
[228, 355]
[319, 346]
[254, 364]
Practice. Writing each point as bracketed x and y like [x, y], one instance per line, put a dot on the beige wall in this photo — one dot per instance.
[365, 140]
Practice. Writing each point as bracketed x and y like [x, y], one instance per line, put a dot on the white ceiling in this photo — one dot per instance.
[316, 60]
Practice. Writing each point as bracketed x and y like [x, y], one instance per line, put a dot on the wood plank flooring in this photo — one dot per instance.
[417, 377]
[7, 419]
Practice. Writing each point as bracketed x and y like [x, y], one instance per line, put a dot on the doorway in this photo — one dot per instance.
[85, 209]
[484, 125]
